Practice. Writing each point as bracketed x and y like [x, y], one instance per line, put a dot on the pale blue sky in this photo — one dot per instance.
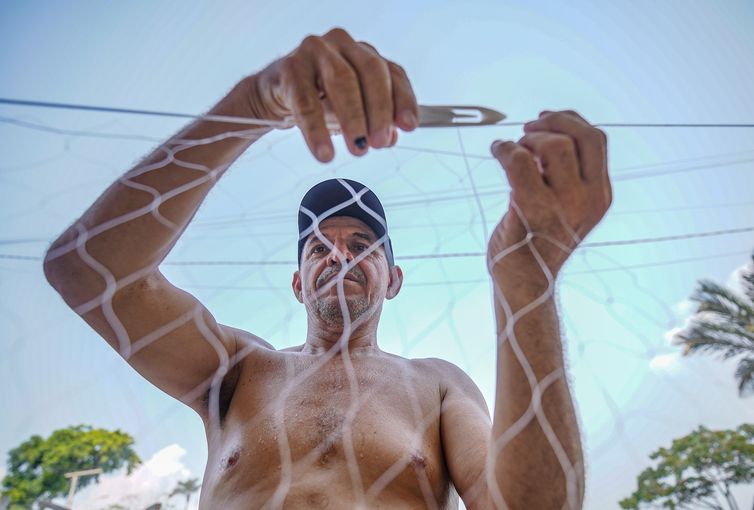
[625, 62]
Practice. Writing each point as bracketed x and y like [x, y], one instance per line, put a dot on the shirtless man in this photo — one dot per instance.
[336, 422]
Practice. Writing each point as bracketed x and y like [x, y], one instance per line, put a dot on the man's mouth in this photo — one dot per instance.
[348, 276]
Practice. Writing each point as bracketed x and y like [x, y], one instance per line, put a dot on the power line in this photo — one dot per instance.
[674, 125]
[658, 263]
[692, 207]
[7, 256]
[670, 238]
[616, 176]
[24, 241]
[131, 111]
[497, 191]
[601, 244]
[247, 120]
[468, 281]
[427, 198]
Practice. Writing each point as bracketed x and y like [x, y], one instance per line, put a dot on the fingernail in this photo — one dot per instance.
[324, 153]
[408, 118]
[361, 142]
[381, 138]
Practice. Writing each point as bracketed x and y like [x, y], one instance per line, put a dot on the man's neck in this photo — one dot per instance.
[322, 338]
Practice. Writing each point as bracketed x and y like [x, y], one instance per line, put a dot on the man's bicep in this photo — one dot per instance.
[169, 337]
[466, 430]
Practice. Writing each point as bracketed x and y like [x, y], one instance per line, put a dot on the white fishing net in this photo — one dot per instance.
[442, 193]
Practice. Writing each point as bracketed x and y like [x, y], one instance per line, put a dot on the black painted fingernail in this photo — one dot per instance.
[361, 142]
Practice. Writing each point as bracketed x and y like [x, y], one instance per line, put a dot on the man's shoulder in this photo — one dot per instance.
[246, 341]
[446, 372]
[437, 365]
[454, 383]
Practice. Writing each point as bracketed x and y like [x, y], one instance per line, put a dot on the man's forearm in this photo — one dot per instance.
[142, 214]
[538, 460]
[560, 190]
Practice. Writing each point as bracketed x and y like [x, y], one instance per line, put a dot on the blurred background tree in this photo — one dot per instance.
[37, 467]
[724, 324]
[186, 488]
[697, 471]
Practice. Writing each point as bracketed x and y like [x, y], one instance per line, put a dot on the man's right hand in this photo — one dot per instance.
[336, 76]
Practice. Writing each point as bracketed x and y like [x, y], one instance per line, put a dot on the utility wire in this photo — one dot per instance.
[131, 111]
[602, 244]
[434, 283]
[246, 120]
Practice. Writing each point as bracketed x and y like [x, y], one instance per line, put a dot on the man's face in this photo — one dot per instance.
[342, 269]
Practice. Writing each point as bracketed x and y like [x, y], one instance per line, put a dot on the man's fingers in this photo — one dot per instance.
[303, 97]
[590, 142]
[572, 113]
[340, 82]
[557, 156]
[405, 107]
[393, 137]
[333, 75]
[521, 169]
[376, 89]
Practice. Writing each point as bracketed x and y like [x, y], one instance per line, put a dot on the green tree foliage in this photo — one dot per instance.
[37, 467]
[724, 324]
[697, 471]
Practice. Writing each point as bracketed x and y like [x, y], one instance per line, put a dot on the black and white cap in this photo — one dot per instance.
[342, 197]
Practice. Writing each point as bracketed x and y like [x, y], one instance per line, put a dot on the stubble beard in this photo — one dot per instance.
[331, 310]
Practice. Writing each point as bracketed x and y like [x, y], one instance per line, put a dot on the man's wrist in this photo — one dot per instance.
[249, 90]
[526, 275]
[520, 286]
[242, 101]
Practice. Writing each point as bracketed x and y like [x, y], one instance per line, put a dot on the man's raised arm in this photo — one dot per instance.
[105, 266]
[560, 191]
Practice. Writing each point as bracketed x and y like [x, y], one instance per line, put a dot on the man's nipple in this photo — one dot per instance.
[418, 460]
[231, 460]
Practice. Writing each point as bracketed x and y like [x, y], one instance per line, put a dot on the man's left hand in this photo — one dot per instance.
[560, 190]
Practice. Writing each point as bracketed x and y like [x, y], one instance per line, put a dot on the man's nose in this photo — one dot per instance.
[338, 253]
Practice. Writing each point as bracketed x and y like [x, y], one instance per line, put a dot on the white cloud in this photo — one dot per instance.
[670, 335]
[734, 279]
[685, 311]
[149, 483]
[666, 362]
[685, 307]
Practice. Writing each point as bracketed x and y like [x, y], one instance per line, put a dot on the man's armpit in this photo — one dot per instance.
[225, 394]
[245, 345]
[227, 388]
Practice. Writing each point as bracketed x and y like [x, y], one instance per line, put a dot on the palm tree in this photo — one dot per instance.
[186, 488]
[724, 324]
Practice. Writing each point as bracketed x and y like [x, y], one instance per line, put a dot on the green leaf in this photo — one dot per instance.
[37, 467]
[685, 473]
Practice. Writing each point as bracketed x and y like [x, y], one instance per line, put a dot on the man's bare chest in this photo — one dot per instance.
[370, 424]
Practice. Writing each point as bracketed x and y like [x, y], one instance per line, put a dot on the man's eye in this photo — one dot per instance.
[318, 249]
[361, 247]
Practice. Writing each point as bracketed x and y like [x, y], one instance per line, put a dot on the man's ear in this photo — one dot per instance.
[395, 282]
[296, 286]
